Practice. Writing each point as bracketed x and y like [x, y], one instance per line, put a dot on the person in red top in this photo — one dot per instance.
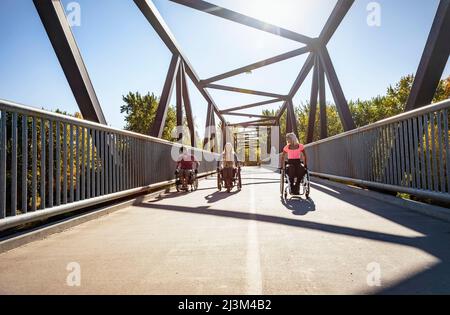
[295, 152]
[186, 163]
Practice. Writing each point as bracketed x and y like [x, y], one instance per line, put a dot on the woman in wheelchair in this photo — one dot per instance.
[296, 164]
[186, 170]
[229, 169]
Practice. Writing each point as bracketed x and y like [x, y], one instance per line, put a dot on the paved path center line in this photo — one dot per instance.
[254, 281]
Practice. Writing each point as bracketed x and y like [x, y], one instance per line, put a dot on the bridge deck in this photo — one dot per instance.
[208, 242]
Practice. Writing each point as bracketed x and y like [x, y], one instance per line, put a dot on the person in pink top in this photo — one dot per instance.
[296, 162]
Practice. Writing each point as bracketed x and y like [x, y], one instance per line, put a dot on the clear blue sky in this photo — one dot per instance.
[122, 52]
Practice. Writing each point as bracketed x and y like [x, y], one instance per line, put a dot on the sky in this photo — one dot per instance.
[123, 53]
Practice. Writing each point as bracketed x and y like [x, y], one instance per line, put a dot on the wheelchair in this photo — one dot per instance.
[285, 184]
[186, 183]
[229, 177]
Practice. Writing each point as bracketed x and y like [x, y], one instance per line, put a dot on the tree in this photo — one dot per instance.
[140, 112]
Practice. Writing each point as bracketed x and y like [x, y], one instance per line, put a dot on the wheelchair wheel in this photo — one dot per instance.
[308, 187]
[194, 185]
[282, 182]
[239, 179]
[219, 181]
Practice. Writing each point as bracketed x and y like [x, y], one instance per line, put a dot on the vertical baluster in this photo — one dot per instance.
[441, 152]
[447, 147]
[43, 159]
[390, 152]
[65, 156]
[422, 156]
[24, 164]
[119, 162]
[434, 153]
[111, 163]
[83, 163]
[427, 145]
[93, 193]
[101, 143]
[98, 158]
[416, 154]
[14, 137]
[34, 167]
[106, 146]
[58, 163]
[77, 163]
[50, 164]
[402, 154]
[411, 154]
[127, 162]
[406, 154]
[113, 146]
[88, 163]
[3, 164]
[71, 161]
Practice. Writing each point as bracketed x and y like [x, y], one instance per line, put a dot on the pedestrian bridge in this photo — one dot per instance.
[86, 208]
[251, 242]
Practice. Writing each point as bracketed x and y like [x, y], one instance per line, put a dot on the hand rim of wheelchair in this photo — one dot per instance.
[237, 178]
[193, 185]
[285, 188]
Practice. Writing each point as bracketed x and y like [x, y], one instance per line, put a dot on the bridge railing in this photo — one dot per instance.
[408, 153]
[51, 164]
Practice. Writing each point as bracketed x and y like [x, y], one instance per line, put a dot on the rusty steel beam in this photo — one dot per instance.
[51, 13]
[187, 105]
[434, 60]
[298, 82]
[161, 114]
[251, 105]
[151, 13]
[322, 102]
[244, 91]
[244, 19]
[256, 65]
[248, 115]
[337, 15]
[336, 90]
[313, 103]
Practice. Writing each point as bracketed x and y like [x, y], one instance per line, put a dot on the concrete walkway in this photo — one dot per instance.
[211, 242]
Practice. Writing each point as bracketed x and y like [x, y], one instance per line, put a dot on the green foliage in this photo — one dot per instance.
[140, 113]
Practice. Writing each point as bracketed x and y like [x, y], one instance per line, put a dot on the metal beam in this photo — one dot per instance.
[313, 102]
[207, 126]
[322, 102]
[256, 65]
[249, 115]
[336, 90]
[434, 60]
[337, 15]
[298, 81]
[250, 106]
[244, 91]
[58, 30]
[160, 119]
[179, 102]
[293, 118]
[244, 19]
[250, 123]
[153, 16]
[187, 105]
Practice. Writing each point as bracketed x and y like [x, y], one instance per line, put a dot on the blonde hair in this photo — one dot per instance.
[229, 152]
[291, 136]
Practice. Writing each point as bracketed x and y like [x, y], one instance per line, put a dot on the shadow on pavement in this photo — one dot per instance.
[299, 206]
[436, 240]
